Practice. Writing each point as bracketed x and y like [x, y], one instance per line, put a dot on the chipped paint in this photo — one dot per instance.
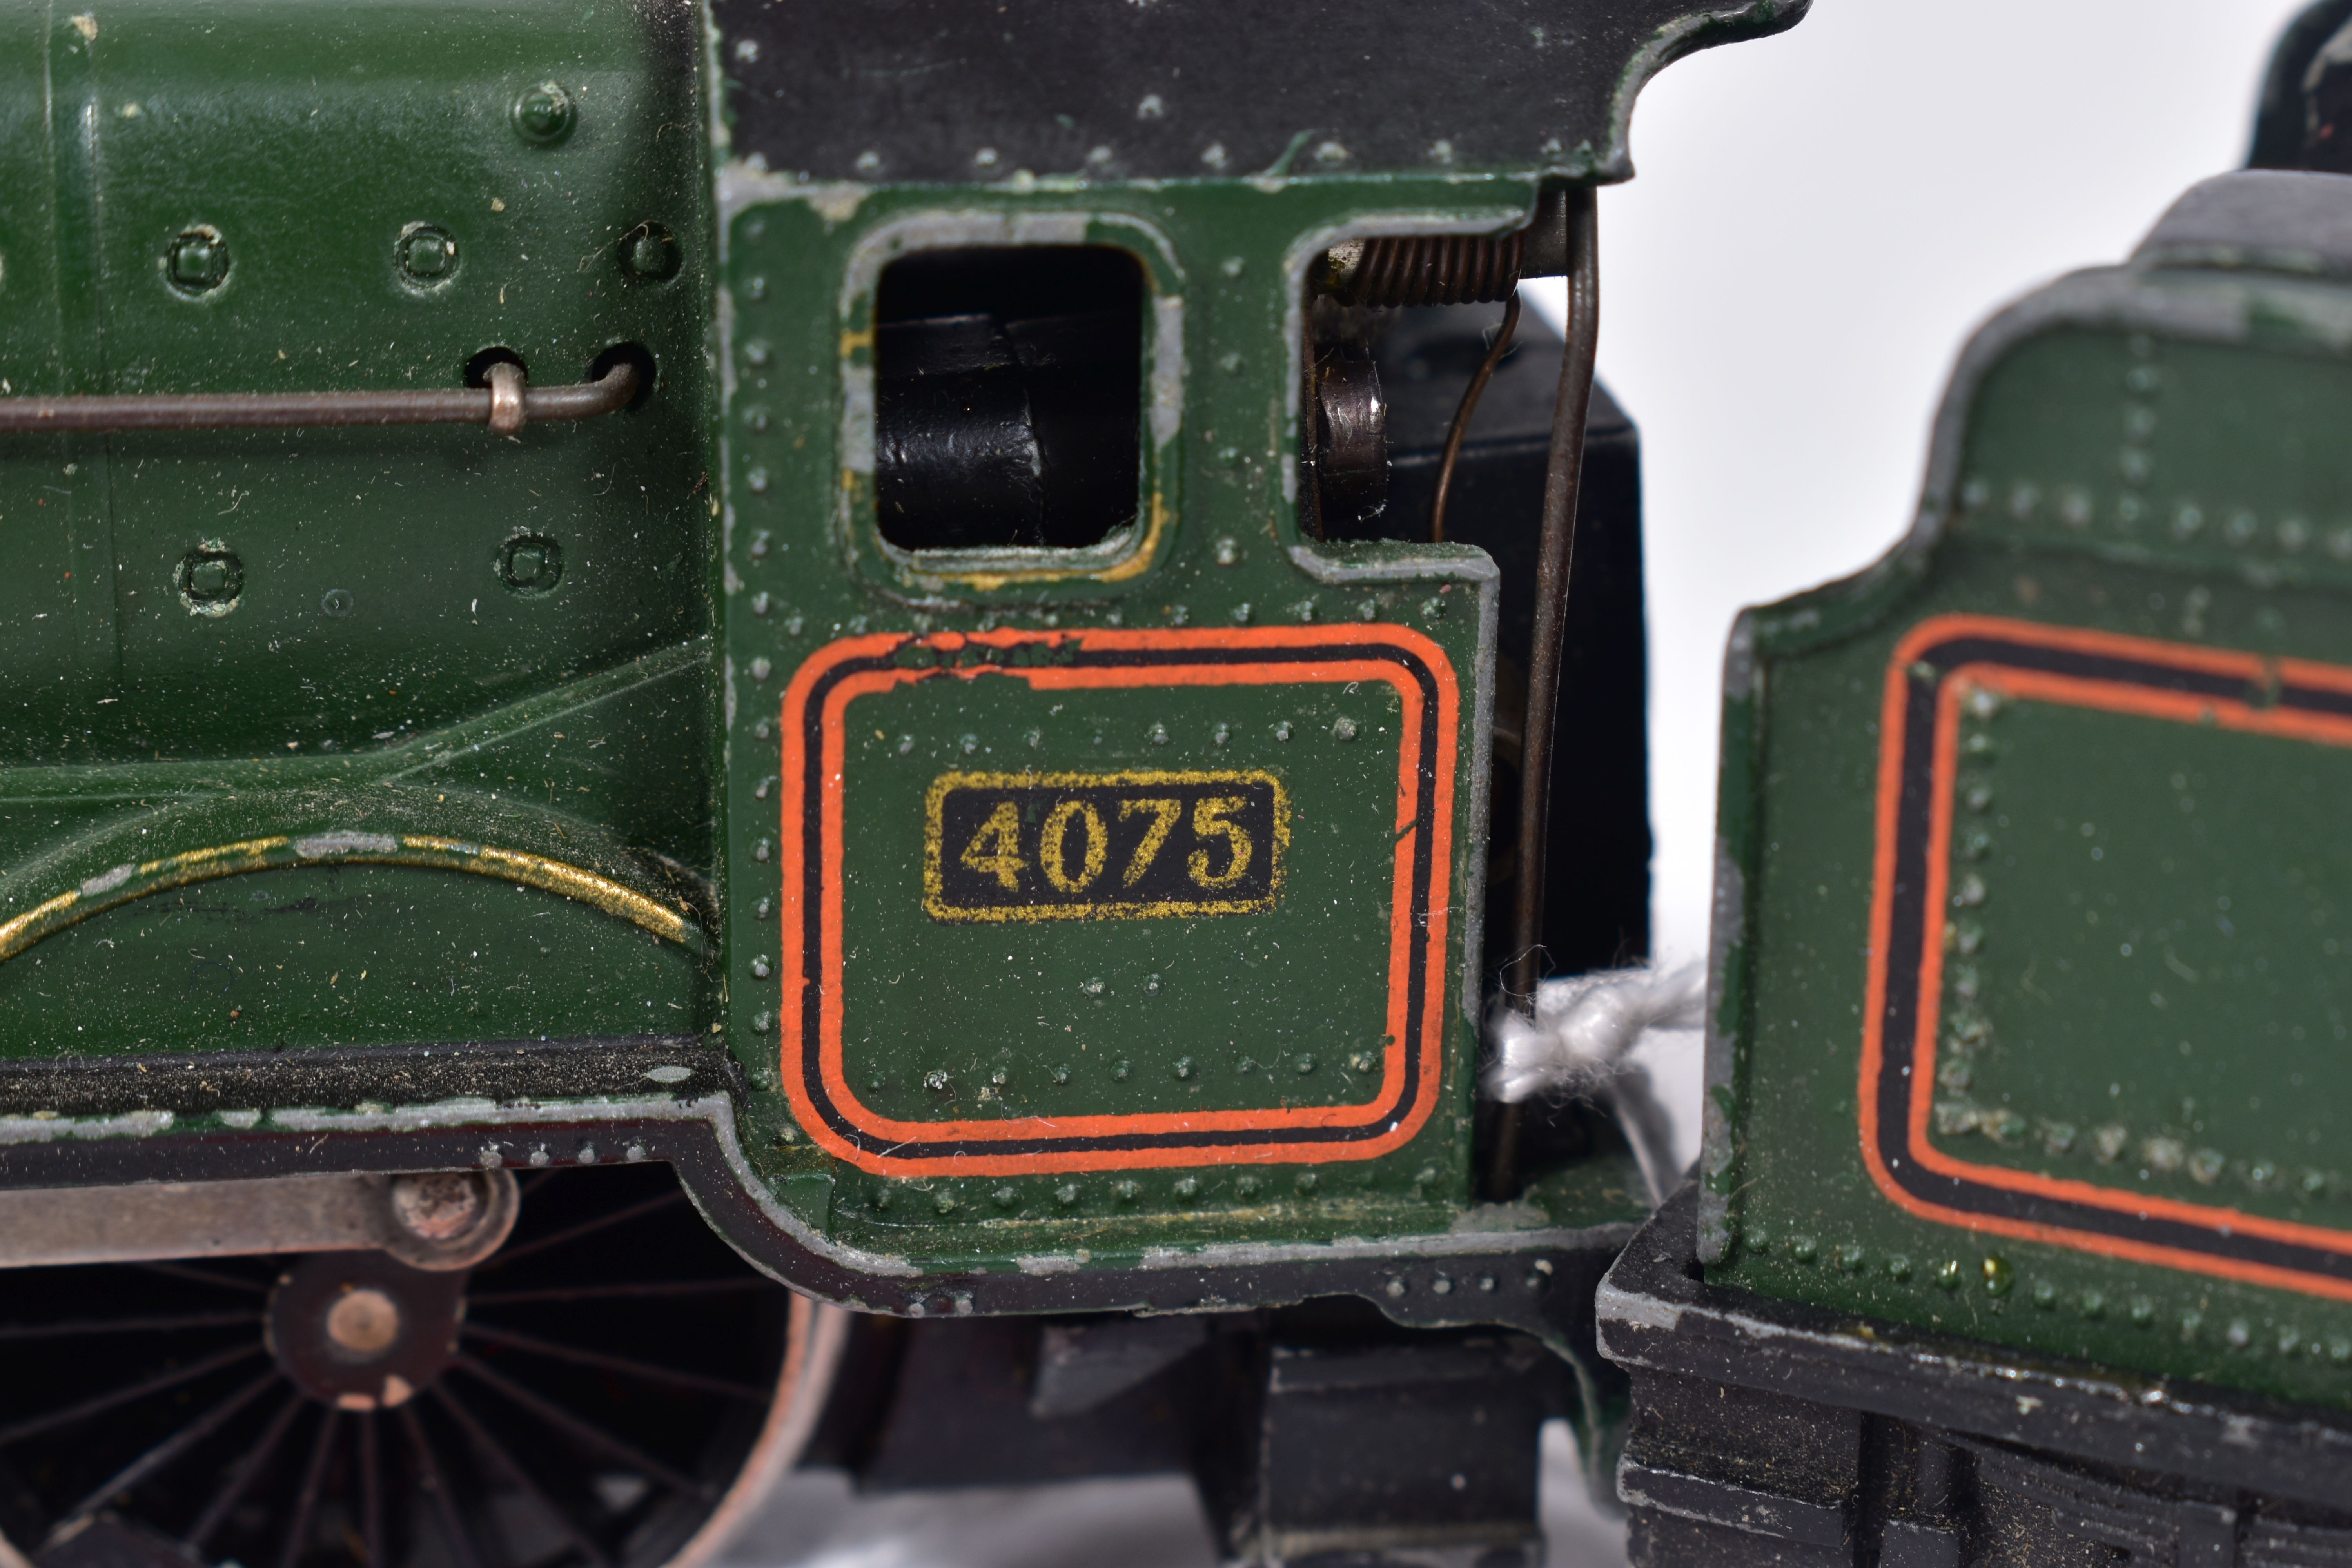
[44, 1128]
[743, 184]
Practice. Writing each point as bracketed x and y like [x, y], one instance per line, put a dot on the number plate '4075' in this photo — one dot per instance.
[1044, 846]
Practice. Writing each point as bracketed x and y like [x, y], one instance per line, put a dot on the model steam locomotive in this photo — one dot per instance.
[706, 703]
[671, 663]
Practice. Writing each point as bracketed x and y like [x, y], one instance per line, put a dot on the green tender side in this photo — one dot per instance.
[220, 638]
[2045, 811]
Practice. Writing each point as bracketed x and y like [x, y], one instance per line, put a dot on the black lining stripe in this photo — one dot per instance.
[1907, 930]
[1417, 973]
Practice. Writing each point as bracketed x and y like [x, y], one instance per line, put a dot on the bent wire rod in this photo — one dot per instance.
[505, 405]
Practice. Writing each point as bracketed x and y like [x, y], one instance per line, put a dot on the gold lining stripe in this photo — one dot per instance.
[1137, 558]
[250, 848]
[554, 876]
[13, 940]
[125, 883]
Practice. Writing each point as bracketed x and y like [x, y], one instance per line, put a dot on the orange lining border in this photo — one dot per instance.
[1236, 656]
[2257, 674]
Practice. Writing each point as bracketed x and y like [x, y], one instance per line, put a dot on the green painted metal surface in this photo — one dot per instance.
[2084, 727]
[1277, 1013]
[329, 738]
[222, 636]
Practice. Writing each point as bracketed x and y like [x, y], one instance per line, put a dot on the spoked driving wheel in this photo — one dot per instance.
[603, 1391]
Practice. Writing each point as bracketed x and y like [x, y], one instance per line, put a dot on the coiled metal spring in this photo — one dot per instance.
[1427, 268]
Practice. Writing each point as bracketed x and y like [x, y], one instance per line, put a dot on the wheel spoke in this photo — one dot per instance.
[628, 1366]
[531, 1182]
[521, 1478]
[203, 1277]
[585, 1227]
[445, 1501]
[583, 1430]
[540, 1435]
[172, 1446]
[298, 1528]
[614, 1292]
[370, 1492]
[247, 1470]
[140, 1389]
[228, 1318]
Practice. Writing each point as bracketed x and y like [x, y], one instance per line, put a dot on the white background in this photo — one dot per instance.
[1819, 221]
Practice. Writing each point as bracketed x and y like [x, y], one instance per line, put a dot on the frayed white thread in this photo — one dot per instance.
[1584, 1024]
[1577, 1045]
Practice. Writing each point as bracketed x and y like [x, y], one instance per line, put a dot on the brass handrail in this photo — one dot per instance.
[505, 405]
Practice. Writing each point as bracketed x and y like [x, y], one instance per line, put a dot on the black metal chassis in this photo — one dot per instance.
[1772, 1432]
[116, 1120]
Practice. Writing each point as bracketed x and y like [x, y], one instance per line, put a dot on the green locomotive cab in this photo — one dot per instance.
[813, 618]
